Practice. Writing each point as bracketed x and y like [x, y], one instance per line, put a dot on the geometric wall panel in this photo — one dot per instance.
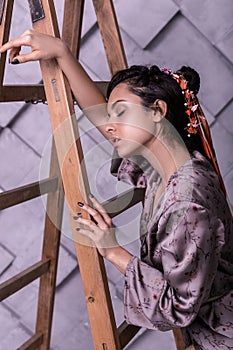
[212, 17]
[180, 43]
[147, 18]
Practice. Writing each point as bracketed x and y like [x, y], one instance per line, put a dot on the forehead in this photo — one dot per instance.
[122, 92]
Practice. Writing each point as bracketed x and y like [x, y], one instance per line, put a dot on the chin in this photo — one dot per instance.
[127, 153]
[122, 154]
[129, 149]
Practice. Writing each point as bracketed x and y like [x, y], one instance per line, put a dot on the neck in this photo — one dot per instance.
[166, 158]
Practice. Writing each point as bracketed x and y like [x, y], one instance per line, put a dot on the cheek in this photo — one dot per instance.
[139, 121]
[139, 130]
[137, 137]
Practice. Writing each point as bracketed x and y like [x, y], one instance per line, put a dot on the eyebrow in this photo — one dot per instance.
[114, 104]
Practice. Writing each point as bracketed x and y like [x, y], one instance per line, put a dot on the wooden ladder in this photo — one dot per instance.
[64, 169]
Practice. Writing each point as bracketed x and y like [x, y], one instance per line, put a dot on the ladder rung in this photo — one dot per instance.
[126, 333]
[23, 278]
[33, 343]
[13, 93]
[114, 205]
[16, 93]
[27, 192]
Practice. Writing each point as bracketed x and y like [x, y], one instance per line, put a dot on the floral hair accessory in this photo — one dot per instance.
[197, 120]
[166, 70]
[191, 104]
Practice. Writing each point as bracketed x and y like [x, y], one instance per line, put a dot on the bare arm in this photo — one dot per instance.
[102, 233]
[119, 257]
[44, 47]
[85, 91]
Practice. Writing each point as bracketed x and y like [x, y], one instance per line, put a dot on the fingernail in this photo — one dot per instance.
[77, 229]
[91, 195]
[76, 217]
[15, 61]
[80, 204]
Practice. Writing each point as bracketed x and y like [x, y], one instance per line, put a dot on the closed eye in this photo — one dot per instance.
[118, 108]
[121, 112]
[117, 115]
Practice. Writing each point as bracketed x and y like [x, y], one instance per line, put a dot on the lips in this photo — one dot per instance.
[115, 141]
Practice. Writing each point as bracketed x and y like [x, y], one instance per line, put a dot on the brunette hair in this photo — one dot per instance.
[151, 84]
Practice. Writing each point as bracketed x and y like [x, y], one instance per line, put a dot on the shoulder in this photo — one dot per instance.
[195, 181]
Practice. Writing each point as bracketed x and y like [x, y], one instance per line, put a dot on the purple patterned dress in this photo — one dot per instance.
[185, 275]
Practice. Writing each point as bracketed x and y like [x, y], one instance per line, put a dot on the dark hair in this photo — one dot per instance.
[151, 84]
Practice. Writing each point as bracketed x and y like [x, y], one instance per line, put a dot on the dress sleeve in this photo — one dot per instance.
[128, 171]
[189, 242]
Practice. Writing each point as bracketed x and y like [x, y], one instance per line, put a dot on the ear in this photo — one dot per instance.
[159, 108]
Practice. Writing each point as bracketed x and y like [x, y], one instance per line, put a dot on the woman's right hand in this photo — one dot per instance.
[43, 47]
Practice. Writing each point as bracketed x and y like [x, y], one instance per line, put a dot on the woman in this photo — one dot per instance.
[185, 275]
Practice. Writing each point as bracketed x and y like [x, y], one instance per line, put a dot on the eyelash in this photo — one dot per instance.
[120, 113]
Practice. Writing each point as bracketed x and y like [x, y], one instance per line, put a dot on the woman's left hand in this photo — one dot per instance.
[101, 231]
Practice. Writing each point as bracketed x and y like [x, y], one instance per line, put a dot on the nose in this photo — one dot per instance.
[110, 128]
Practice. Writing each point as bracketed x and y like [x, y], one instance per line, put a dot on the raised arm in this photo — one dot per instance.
[44, 47]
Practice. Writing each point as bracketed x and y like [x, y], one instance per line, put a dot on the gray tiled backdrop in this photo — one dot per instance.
[169, 33]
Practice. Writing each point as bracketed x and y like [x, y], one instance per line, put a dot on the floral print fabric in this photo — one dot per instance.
[185, 275]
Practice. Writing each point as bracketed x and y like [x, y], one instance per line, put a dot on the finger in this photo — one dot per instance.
[100, 238]
[6, 47]
[14, 52]
[85, 236]
[101, 209]
[88, 223]
[87, 233]
[32, 56]
[95, 214]
[20, 41]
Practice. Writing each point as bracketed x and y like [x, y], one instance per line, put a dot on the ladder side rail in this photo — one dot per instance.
[179, 339]
[5, 23]
[50, 250]
[72, 24]
[110, 33]
[70, 157]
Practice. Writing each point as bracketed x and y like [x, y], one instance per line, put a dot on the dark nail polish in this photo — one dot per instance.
[75, 217]
[15, 61]
[91, 195]
[79, 214]
[80, 204]
[77, 229]
[93, 220]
